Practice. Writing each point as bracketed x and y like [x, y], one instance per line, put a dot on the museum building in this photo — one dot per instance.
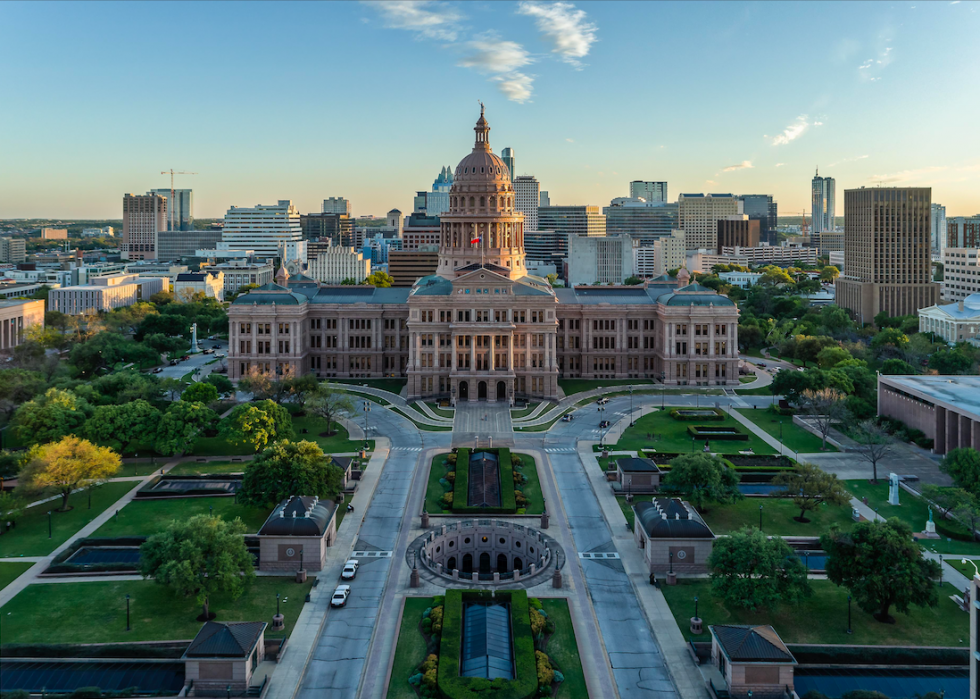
[481, 327]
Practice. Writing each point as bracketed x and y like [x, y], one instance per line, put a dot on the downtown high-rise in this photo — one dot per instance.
[144, 216]
[649, 191]
[823, 191]
[527, 195]
[180, 208]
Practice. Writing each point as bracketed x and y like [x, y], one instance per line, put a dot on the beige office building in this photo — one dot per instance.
[144, 215]
[13, 250]
[698, 216]
[886, 244]
[16, 316]
[105, 293]
[334, 265]
[54, 234]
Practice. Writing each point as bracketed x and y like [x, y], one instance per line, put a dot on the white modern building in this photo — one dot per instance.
[595, 259]
[336, 264]
[836, 259]
[698, 216]
[960, 273]
[784, 255]
[527, 195]
[743, 280]
[823, 193]
[937, 221]
[648, 191]
[664, 254]
[239, 273]
[105, 293]
[210, 282]
[336, 205]
[262, 228]
[955, 322]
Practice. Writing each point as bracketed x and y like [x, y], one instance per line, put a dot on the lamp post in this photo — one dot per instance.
[780, 437]
[631, 406]
[696, 607]
[849, 614]
[367, 409]
[940, 570]
[663, 378]
[601, 409]
[277, 604]
[760, 518]
[127, 612]
[671, 571]
[49, 524]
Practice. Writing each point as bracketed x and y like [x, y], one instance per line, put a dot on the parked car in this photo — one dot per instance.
[158, 370]
[207, 351]
[604, 424]
[602, 401]
[566, 418]
[350, 570]
[173, 362]
[340, 596]
[216, 347]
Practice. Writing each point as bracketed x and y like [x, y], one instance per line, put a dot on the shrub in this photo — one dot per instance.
[520, 499]
[436, 618]
[427, 612]
[516, 461]
[534, 603]
[546, 674]
[416, 679]
[86, 693]
[711, 433]
[15, 694]
[447, 499]
[537, 622]
[451, 459]
[451, 477]
[431, 663]
[427, 625]
[431, 678]
[559, 677]
[438, 601]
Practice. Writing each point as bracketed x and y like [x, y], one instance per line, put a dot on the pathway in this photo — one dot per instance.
[483, 421]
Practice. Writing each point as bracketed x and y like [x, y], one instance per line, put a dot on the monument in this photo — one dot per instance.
[893, 489]
[930, 532]
[195, 348]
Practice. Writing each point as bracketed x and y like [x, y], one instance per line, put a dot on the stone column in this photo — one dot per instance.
[418, 349]
[454, 340]
[472, 353]
[510, 352]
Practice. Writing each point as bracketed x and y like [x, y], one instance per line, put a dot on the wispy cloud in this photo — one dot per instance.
[515, 86]
[570, 140]
[566, 27]
[870, 70]
[428, 20]
[906, 176]
[847, 160]
[744, 165]
[710, 182]
[491, 55]
[780, 164]
[793, 131]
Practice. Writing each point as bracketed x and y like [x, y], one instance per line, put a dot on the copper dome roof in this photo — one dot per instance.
[482, 164]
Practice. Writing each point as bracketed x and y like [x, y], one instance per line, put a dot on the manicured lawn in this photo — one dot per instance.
[393, 385]
[822, 618]
[746, 379]
[545, 426]
[11, 571]
[570, 386]
[146, 517]
[911, 510]
[139, 469]
[368, 396]
[793, 436]
[189, 468]
[524, 412]
[421, 425]
[435, 490]
[342, 508]
[966, 568]
[95, 612]
[219, 446]
[758, 391]
[339, 443]
[562, 648]
[531, 489]
[627, 509]
[410, 649]
[441, 412]
[777, 517]
[672, 436]
[30, 538]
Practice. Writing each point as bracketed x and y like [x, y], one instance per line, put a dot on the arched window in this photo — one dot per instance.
[472, 201]
[483, 202]
[493, 201]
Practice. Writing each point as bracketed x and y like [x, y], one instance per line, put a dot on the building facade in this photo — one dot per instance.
[762, 208]
[945, 408]
[16, 318]
[420, 230]
[262, 228]
[239, 273]
[665, 254]
[13, 250]
[954, 322]
[210, 282]
[336, 265]
[105, 293]
[527, 195]
[180, 208]
[600, 260]
[336, 205]
[737, 231]
[54, 234]
[698, 216]
[886, 245]
[644, 221]
[648, 191]
[547, 248]
[337, 228]
[963, 232]
[174, 245]
[572, 220]
[510, 160]
[961, 275]
[144, 216]
[937, 226]
[480, 327]
[408, 266]
[823, 195]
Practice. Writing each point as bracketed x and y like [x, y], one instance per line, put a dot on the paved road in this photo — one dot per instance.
[197, 361]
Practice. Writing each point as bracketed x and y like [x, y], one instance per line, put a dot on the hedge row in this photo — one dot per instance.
[461, 485]
[508, 502]
[878, 655]
[162, 649]
[676, 413]
[695, 431]
[451, 685]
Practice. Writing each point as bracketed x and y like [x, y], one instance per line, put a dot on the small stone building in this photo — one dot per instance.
[752, 659]
[345, 463]
[666, 526]
[223, 656]
[638, 475]
[298, 524]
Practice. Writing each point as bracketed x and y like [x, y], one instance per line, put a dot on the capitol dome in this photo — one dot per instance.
[972, 301]
[482, 165]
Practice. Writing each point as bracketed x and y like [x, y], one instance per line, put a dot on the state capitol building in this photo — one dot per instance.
[482, 328]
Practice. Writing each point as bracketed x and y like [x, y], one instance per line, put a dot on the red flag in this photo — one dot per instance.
[475, 240]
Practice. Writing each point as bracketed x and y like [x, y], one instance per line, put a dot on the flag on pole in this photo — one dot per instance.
[476, 240]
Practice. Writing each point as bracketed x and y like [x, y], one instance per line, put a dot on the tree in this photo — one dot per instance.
[874, 444]
[165, 344]
[11, 507]
[180, 426]
[128, 318]
[772, 275]
[808, 348]
[702, 477]
[199, 556]
[810, 487]
[348, 281]
[172, 387]
[632, 280]
[66, 465]
[894, 367]
[259, 384]
[950, 361]
[258, 424]
[792, 384]
[553, 279]
[889, 338]
[220, 382]
[125, 424]
[51, 416]
[825, 408]
[945, 499]
[380, 279]
[301, 387]
[17, 386]
[882, 566]
[829, 273]
[963, 466]
[829, 357]
[201, 392]
[329, 405]
[290, 468]
[750, 570]
[968, 512]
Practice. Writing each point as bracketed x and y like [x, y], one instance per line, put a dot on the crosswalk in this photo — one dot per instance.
[560, 450]
[598, 556]
[406, 448]
[371, 554]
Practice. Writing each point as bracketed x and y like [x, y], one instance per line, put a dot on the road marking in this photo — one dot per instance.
[406, 449]
[371, 554]
[560, 450]
[598, 556]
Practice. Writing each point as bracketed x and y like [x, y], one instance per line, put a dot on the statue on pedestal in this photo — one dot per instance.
[930, 532]
[194, 346]
[893, 489]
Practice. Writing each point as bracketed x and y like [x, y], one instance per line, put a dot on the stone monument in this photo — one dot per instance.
[930, 532]
[195, 348]
[893, 489]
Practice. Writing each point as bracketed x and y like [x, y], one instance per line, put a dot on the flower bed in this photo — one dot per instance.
[709, 432]
[697, 414]
[508, 502]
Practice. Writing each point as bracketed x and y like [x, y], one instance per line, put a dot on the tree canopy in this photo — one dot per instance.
[702, 478]
[290, 468]
[123, 424]
[751, 571]
[810, 487]
[180, 426]
[380, 279]
[51, 416]
[258, 424]
[66, 465]
[200, 392]
[963, 466]
[329, 405]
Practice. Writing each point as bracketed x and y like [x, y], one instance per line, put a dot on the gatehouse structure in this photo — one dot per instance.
[481, 327]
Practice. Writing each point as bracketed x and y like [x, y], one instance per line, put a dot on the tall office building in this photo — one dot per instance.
[337, 228]
[666, 253]
[762, 208]
[602, 260]
[544, 199]
[336, 205]
[963, 232]
[886, 245]
[547, 248]
[738, 230]
[174, 245]
[13, 250]
[650, 191]
[644, 221]
[698, 216]
[824, 192]
[180, 208]
[937, 225]
[527, 194]
[436, 202]
[144, 215]
[509, 158]
[572, 220]
[262, 228]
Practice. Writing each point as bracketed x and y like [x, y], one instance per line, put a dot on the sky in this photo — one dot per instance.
[368, 100]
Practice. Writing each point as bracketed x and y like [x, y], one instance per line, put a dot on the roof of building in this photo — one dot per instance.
[192, 277]
[961, 393]
[299, 515]
[225, 640]
[970, 311]
[751, 644]
[432, 285]
[268, 299]
[670, 518]
[634, 465]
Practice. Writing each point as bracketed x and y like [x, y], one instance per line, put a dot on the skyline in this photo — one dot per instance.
[590, 96]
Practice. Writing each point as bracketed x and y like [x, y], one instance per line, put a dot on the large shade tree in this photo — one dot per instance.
[51, 416]
[258, 424]
[702, 478]
[963, 466]
[124, 424]
[180, 426]
[329, 405]
[750, 570]
[290, 468]
[810, 487]
[66, 465]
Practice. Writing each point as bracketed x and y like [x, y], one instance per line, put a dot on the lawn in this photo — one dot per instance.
[746, 379]
[545, 426]
[140, 468]
[145, 517]
[435, 490]
[911, 510]
[531, 489]
[524, 412]
[966, 568]
[409, 649]
[392, 385]
[672, 436]
[95, 612]
[421, 425]
[562, 648]
[11, 571]
[441, 412]
[339, 443]
[368, 396]
[342, 508]
[627, 509]
[219, 446]
[189, 468]
[758, 391]
[777, 517]
[793, 436]
[572, 386]
[30, 538]
[822, 618]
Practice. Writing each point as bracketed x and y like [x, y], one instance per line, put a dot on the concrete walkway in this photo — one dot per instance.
[421, 406]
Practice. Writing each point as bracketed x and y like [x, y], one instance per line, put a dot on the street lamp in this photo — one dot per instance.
[631, 406]
[277, 604]
[696, 607]
[671, 571]
[663, 378]
[849, 630]
[601, 409]
[367, 409]
[127, 612]
[780, 437]
[760, 518]
[49, 524]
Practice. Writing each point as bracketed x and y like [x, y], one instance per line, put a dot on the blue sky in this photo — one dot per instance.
[277, 100]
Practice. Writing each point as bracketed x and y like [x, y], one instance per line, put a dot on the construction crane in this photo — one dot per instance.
[170, 204]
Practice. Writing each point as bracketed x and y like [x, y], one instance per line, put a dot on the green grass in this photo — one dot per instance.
[11, 571]
[30, 538]
[219, 446]
[911, 510]
[368, 396]
[777, 517]
[673, 436]
[545, 426]
[342, 508]
[441, 412]
[758, 391]
[139, 469]
[189, 468]
[562, 648]
[572, 386]
[822, 618]
[627, 509]
[145, 517]
[338, 443]
[421, 425]
[531, 489]
[95, 611]
[524, 412]
[746, 379]
[434, 489]
[794, 436]
[409, 649]
[966, 568]
[391, 385]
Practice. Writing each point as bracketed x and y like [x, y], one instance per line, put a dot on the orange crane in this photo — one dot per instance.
[170, 204]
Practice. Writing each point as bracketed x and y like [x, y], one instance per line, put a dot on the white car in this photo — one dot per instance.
[602, 401]
[340, 596]
[350, 570]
